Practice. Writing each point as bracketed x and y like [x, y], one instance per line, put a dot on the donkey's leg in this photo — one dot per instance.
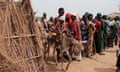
[48, 50]
[45, 51]
[62, 61]
[70, 60]
[54, 55]
[45, 48]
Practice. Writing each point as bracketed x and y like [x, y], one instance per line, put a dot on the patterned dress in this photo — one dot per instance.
[91, 31]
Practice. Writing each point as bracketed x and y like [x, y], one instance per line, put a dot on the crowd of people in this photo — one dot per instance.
[96, 34]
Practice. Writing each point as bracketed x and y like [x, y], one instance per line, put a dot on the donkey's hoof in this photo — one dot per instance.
[63, 69]
[56, 64]
[66, 68]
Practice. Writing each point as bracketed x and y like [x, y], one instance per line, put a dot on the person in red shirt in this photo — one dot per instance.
[98, 36]
[75, 28]
[68, 23]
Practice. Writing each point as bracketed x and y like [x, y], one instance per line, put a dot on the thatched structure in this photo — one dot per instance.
[20, 40]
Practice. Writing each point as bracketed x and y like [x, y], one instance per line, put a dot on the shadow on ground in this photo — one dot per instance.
[105, 70]
[52, 67]
[111, 51]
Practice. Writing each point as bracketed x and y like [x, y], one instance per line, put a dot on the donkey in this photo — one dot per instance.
[71, 46]
[68, 46]
[61, 42]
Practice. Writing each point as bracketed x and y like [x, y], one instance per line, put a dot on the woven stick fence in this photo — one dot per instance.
[21, 48]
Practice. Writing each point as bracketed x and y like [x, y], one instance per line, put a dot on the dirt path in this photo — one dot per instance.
[98, 63]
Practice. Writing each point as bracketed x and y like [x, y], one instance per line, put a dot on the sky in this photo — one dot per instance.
[75, 6]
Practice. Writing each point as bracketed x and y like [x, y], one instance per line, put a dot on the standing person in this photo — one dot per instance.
[76, 35]
[91, 31]
[109, 33]
[102, 30]
[84, 28]
[118, 31]
[113, 31]
[59, 22]
[44, 21]
[84, 33]
[75, 28]
[117, 24]
[98, 35]
[68, 23]
[118, 60]
[50, 23]
[104, 25]
[117, 20]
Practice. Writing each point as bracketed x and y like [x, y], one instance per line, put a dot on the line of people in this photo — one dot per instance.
[96, 34]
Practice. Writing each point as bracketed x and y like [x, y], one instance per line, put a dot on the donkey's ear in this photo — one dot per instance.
[64, 31]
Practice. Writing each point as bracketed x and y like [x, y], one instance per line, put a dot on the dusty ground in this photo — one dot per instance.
[98, 63]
